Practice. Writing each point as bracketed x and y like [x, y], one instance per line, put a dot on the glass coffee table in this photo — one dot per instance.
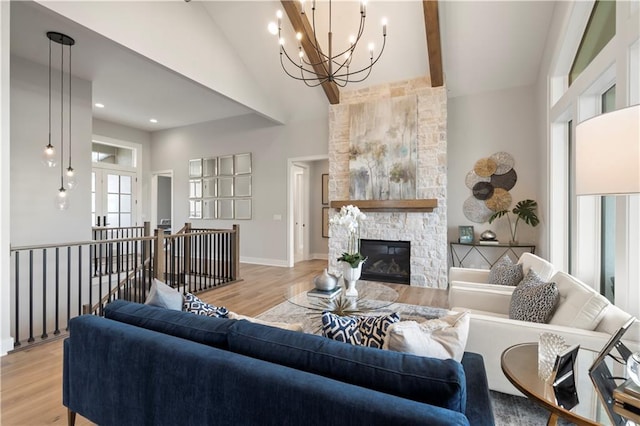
[372, 296]
[520, 365]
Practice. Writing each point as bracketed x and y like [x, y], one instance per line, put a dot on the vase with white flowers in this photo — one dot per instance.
[349, 219]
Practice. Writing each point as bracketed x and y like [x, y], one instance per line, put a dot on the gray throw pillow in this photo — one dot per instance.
[504, 272]
[163, 296]
[534, 300]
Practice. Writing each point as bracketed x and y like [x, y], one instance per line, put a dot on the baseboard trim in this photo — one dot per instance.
[321, 256]
[266, 262]
[6, 346]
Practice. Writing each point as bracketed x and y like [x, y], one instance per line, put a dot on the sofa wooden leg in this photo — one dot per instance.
[71, 417]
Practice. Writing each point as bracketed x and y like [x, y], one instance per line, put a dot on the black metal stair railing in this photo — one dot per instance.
[53, 283]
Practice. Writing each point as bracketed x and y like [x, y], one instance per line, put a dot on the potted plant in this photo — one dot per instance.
[349, 218]
[524, 210]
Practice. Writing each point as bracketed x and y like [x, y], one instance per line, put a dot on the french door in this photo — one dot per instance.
[113, 198]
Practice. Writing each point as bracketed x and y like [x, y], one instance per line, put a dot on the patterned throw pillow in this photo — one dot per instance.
[504, 272]
[196, 306]
[534, 300]
[366, 330]
[342, 329]
[374, 329]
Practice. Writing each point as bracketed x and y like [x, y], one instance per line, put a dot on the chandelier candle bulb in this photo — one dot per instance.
[384, 27]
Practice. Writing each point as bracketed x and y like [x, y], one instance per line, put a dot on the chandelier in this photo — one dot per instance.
[62, 198]
[313, 65]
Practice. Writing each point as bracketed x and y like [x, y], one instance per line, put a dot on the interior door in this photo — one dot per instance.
[113, 198]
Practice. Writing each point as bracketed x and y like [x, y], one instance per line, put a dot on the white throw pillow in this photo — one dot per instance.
[441, 338]
[163, 296]
[294, 327]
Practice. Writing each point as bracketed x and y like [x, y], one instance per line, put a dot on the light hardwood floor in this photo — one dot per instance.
[31, 379]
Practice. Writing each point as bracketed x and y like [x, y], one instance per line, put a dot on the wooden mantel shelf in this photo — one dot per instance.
[426, 205]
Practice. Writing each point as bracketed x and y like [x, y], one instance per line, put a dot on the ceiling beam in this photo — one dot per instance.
[434, 48]
[301, 25]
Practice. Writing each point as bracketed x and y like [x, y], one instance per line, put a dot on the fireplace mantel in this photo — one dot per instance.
[426, 205]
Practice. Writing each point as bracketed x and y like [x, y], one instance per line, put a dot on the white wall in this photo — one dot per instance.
[263, 238]
[34, 218]
[6, 341]
[481, 125]
[178, 35]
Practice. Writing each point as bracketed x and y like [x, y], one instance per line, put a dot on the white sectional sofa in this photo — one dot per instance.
[582, 315]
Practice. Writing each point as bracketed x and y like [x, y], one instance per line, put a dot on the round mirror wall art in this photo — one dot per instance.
[490, 182]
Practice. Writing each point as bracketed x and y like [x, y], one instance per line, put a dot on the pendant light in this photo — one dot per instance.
[62, 197]
[49, 154]
[71, 174]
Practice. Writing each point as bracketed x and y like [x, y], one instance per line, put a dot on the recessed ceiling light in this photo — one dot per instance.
[153, 120]
[99, 105]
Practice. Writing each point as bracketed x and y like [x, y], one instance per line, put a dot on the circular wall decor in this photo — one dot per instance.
[490, 182]
[505, 181]
[485, 167]
[504, 162]
[483, 190]
[476, 210]
[501, 200]
[472, 178]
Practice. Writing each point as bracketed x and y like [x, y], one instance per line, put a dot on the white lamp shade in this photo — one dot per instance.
[608, 153]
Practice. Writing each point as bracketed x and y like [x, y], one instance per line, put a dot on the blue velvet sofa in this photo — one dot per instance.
[142, 365]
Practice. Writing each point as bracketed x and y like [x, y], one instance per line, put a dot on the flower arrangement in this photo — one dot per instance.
[349, 218]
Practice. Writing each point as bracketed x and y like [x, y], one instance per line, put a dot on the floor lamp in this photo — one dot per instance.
[608, 163]
[608, 153]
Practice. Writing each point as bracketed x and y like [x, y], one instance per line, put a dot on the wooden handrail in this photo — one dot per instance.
[114, 290]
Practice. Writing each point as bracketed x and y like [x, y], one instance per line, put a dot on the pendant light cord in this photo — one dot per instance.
[70, 168]
[61, 116]
[49, 92]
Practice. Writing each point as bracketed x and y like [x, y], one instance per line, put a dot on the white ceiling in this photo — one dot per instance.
[486, 46]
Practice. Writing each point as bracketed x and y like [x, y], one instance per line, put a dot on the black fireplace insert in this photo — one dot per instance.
[388, 261]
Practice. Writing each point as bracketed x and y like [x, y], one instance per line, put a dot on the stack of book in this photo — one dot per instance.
[489, 242]
[325, 294]
[627, 400]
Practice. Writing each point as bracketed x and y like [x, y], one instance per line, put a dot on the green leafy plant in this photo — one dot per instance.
[524, 210]
[353, 259]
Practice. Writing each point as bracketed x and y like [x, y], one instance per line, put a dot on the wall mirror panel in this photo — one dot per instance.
[195, 168]
[225, 165]
[243, 209]
[209, 188]
[243, 163]
[209, 209]
[209, 167]
[221, 187]
[242, 186]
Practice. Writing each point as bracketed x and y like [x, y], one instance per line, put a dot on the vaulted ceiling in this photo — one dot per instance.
[479, 46]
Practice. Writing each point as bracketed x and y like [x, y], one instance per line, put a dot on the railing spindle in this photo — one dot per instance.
[57, 329]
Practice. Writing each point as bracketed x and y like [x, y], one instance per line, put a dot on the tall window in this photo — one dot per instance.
[608, 221]
[600, 30]
[571, 193]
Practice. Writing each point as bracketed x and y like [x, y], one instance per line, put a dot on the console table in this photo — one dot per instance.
[488, 254]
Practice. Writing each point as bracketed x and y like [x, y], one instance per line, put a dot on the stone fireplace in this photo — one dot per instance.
[426, 231]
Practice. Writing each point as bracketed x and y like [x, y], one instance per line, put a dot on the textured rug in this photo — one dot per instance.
[508, 410]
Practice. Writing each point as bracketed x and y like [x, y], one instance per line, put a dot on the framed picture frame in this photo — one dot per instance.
[465, 234]
[325, 188]
[325, 222]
